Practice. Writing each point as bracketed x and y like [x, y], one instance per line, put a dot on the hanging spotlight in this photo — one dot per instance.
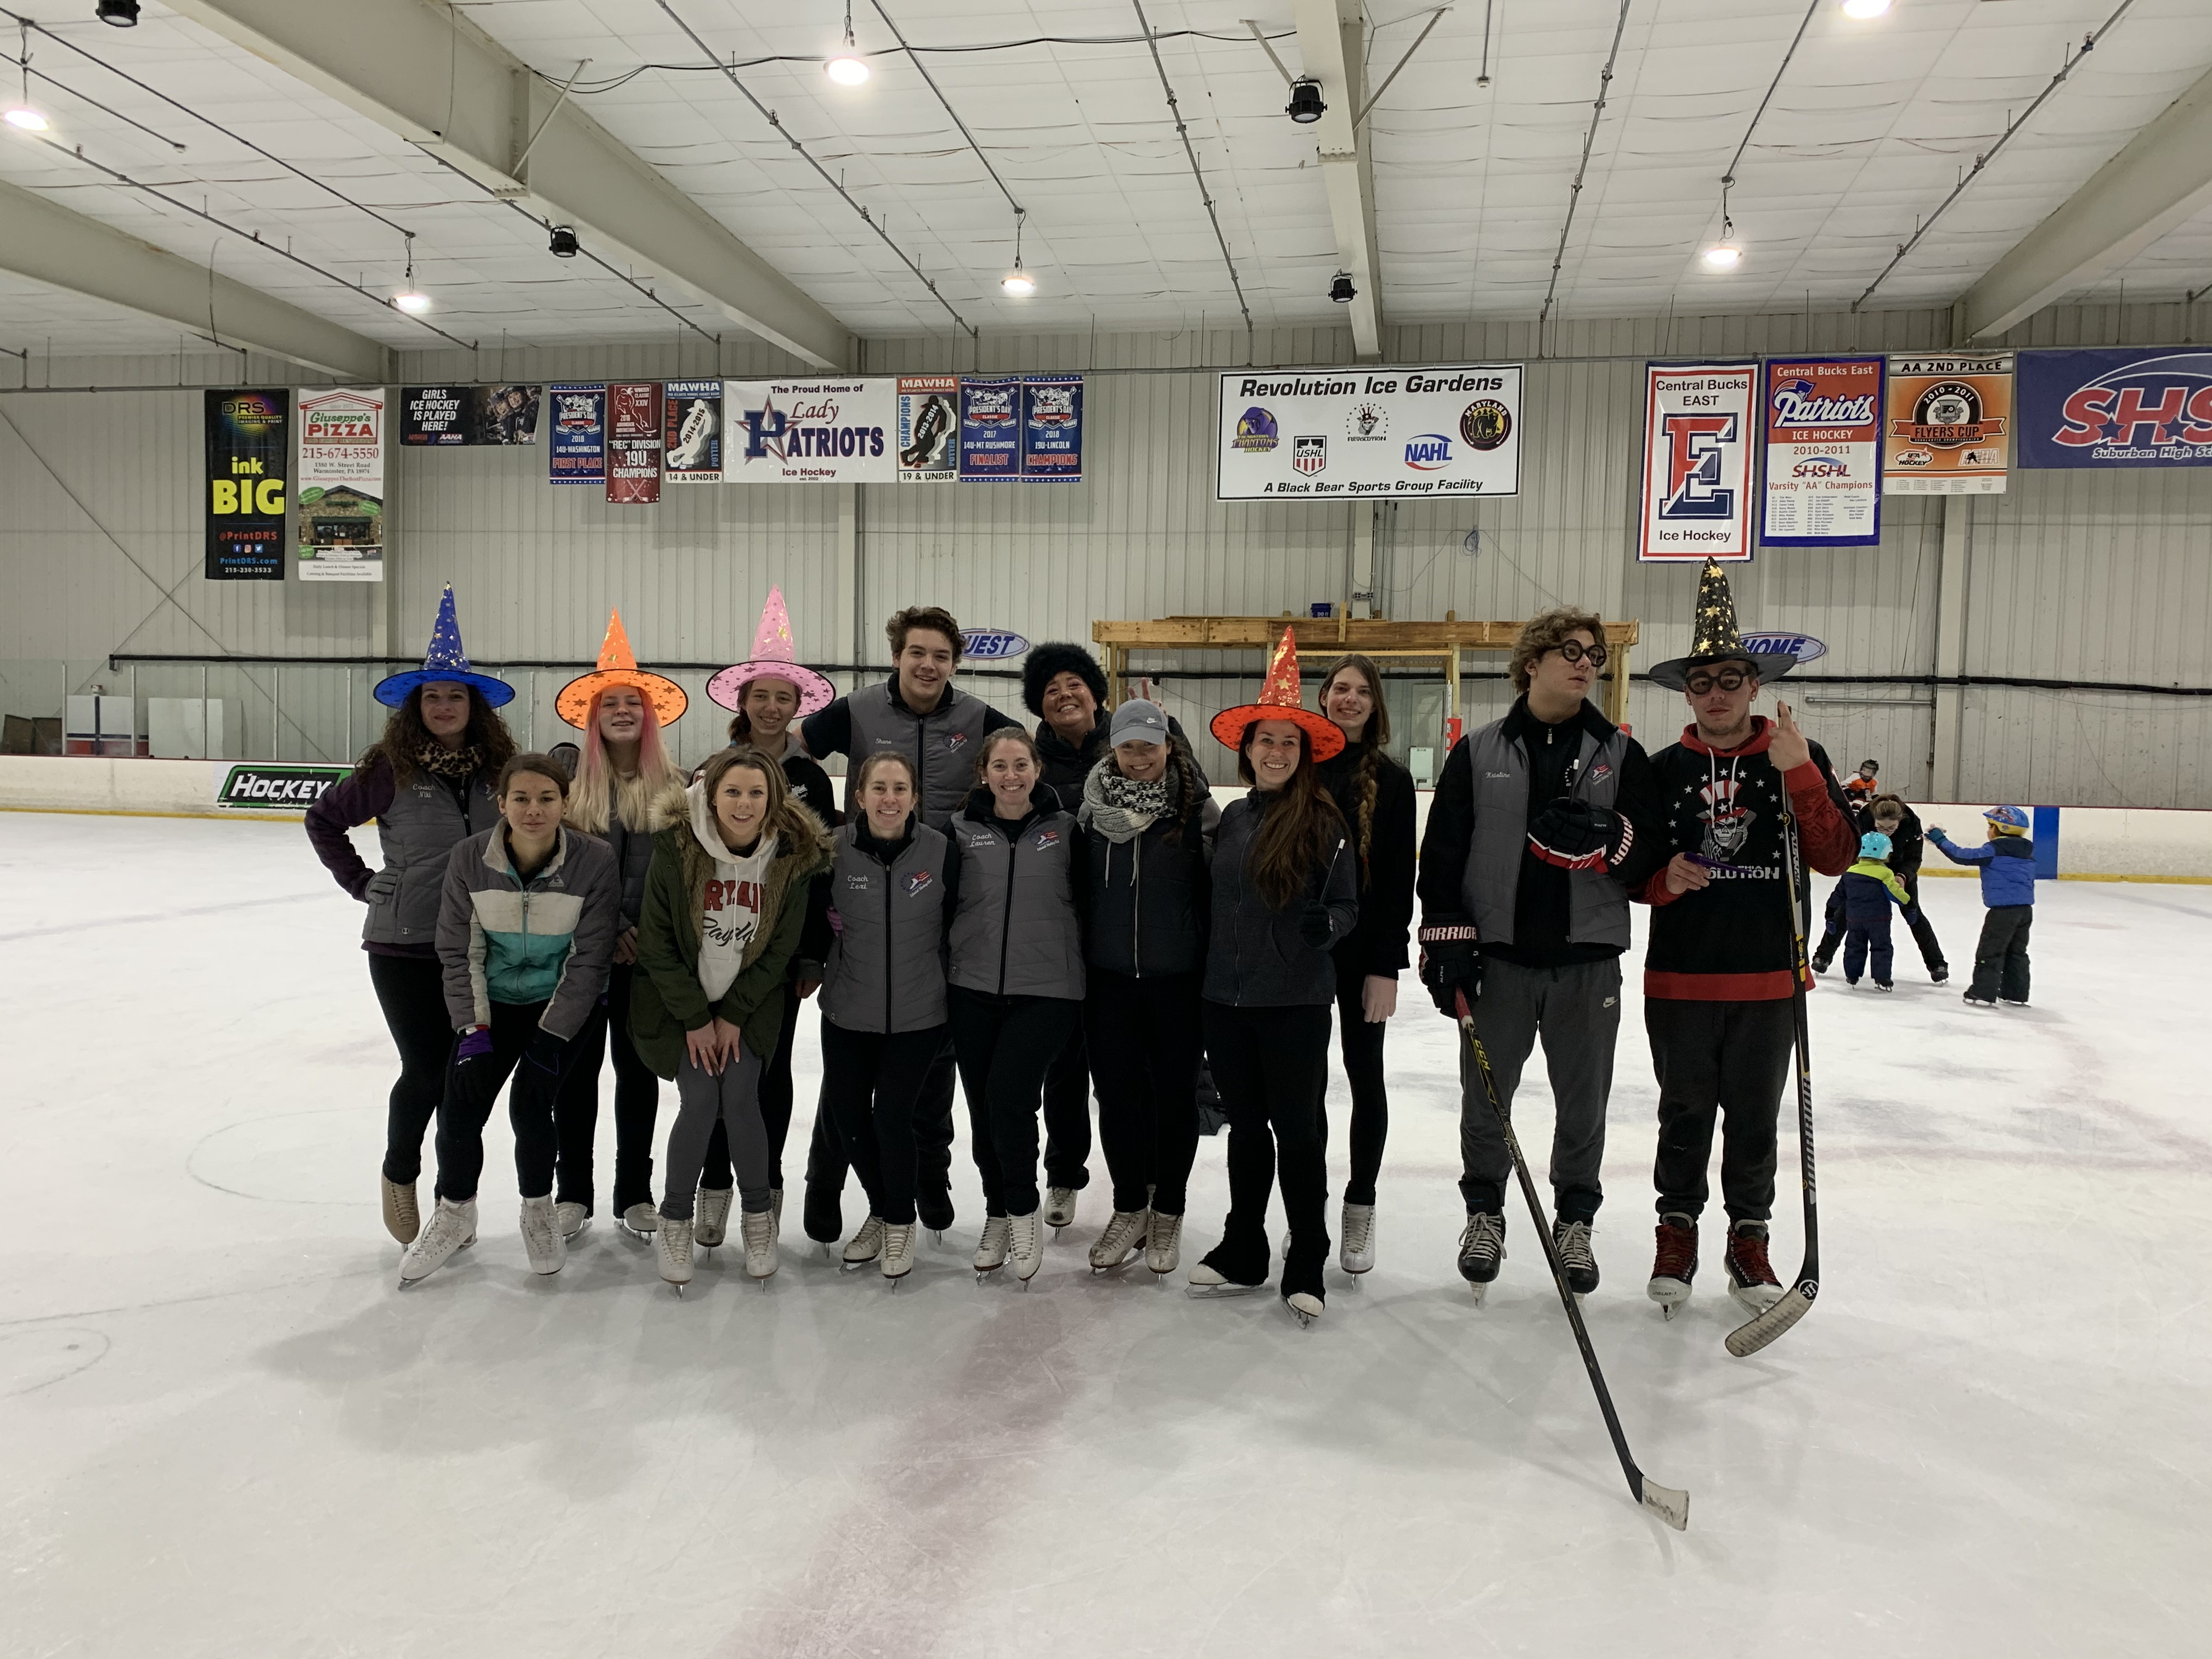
[123, 14]
[563, 243]
[410, 298]
[1721, 256]
[1864, 9]
[1305, 106]
[1341, 289]
[1018, 282]
[22, 114]
[847, 68]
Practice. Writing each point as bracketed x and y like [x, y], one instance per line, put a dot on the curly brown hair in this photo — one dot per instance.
[1548, 633]
[933, 616]
[405, 736]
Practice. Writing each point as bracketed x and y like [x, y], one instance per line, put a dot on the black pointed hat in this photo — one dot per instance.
[1714, 637]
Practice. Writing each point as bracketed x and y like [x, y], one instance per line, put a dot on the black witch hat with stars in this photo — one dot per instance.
[1714, 638]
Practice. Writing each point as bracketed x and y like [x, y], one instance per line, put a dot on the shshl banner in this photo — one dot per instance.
[1823, 485]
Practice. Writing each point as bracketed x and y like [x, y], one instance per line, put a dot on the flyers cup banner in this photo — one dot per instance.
[341, 485]
[1334, 434]
[1823, 475]
[1699, 440]
[249, 453]
[1946, 429]
[2116, 408]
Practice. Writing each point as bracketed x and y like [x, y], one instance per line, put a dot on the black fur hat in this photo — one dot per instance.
[1060, 656]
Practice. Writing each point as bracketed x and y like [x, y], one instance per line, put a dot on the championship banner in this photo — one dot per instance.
[633, 443]
[248, 450]
[341, 485]
[577, 454]
[691, 431]
[1697, 462]
[1052, 427]
[990, 427]
[1823, 479]
[2116, 408]
[1452, 430]
[822, 431]
[450, 417]
[929, 429]
[1947, 425]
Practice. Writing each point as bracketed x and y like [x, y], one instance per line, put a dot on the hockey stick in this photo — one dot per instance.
[1760, 1329]
[1669, 1505]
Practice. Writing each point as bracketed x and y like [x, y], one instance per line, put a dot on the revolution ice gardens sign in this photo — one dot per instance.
[249, 451]
[1331, 434]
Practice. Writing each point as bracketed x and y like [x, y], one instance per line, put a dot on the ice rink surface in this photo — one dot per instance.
[228, 1435]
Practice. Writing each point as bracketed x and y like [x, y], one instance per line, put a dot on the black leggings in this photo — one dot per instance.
[1147, 1035]
[1067, 1115]
[776, 1093]
[410, 990]
[826, 1161]
[637, 1104]
[870, 1082]
[1362, 1043]
[1271, 1065]
[471, 1092]
[1004, 1045]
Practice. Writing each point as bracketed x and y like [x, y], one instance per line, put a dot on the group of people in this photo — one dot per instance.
[1044, 914]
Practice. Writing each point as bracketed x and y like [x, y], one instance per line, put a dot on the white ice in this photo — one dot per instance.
[229, 1435]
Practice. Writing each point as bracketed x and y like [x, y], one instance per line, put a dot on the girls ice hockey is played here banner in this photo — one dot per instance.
[1698, 471]
[1948, 425]
[1823, 478]
[1331, 434]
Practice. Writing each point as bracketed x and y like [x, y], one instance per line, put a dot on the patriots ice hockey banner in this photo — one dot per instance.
[1823, 477]
[691, 431]
[2116, 408]
[929, 429]
[577, 454]
[1332, 434]
[818, 431]
[341, 485]
[1698, 473]
[1052, 427]
[633, 443]
[1947, 424]
[990, 427]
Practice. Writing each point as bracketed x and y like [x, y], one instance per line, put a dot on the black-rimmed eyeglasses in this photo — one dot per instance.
[1574, 651]
[1728, 679]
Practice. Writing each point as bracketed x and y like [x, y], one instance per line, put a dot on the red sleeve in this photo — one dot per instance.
[1654, 891]
[364, 795]
[1829, 844]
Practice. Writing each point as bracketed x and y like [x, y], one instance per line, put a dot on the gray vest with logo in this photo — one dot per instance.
[1016, 934]
[942, 746]
[418, 832]
[885, 973]
[1597, 904]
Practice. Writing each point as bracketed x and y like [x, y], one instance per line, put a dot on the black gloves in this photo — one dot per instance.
[1449, 962]
[1575, 835]
[1314, 927]
[545, 1052]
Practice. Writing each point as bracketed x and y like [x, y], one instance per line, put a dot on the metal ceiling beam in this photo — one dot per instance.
[57, 245]
[2161, 179]
[1332, 45]
[423, 71]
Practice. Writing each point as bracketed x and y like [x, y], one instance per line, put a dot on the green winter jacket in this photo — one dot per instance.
[665, 997]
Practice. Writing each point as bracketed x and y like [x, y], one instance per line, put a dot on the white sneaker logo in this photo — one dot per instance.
[1608, 1002]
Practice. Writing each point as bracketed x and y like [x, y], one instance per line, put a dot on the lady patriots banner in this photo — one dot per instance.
[825, 430]
[2112, 408]
[1823, 480]
[1697, 447]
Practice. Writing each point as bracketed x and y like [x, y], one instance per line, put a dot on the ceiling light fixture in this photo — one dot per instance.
[123, 14]
[847, 68]
[562, 244]
[410, 298]
[1305, 106]
[1018, 282]
[1864, 9]
[22, 115]
[1725, 255]
[1342, 290]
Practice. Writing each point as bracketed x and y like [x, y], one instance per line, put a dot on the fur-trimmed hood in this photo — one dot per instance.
[1060, 656]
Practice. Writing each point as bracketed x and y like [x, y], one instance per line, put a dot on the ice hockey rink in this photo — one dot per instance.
[228, 1434]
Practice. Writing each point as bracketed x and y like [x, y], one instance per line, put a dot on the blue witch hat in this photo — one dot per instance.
[446, 663]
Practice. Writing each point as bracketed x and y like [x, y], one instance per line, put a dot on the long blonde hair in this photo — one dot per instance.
[647, 800]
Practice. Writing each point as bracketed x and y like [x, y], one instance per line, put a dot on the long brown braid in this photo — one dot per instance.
[1195, 789]
[1372, 737]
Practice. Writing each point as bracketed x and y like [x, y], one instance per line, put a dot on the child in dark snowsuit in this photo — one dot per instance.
[2008, 867]
[1870, 888]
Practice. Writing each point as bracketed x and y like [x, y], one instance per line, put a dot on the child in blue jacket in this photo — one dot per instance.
[1870, 888]
[2008, 867]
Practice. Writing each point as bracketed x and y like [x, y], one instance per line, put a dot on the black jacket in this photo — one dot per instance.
[1067, 764]
[1150, 897]
[1255, 957]
[1376, 943]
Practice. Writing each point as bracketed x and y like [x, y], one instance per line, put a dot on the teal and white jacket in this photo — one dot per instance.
[548, 940]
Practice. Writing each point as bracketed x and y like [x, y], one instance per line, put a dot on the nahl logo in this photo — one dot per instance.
[294, 786]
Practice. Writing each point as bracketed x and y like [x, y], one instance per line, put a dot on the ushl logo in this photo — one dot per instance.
[1309, 454]
[1696, 445]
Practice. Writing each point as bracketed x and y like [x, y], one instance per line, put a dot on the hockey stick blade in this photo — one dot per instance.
[1671, 1506]
[1756, 1334]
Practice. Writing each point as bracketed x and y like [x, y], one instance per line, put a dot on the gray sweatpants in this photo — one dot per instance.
[1577, 1011]
[734, 1098]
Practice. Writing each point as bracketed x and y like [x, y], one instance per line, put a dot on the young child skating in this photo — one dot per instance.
[2008, 867]
[1870, 888]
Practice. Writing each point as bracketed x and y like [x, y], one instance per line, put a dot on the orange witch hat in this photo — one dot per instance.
[618, 666]
[1279, 701]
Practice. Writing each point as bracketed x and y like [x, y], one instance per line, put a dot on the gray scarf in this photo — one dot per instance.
[1121, 809]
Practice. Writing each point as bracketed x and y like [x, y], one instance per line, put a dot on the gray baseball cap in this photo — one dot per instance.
[1138, 721]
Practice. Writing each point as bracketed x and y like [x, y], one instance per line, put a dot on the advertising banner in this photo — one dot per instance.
[990, 427]
[578, 452]
[1052, 427]
[1331, 433]
[341, 485]
[275, 787]
[823, 431]
[1697, 462]
[633, 443]
[249, 451]
[2116, 408]
[1947, 425]
[448, 417]
[929, 429]
[691, 431]
[1823, 478]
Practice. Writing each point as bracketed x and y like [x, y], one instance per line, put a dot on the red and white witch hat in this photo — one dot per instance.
[1279, 701]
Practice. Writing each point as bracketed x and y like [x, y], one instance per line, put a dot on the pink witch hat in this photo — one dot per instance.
[773, 658]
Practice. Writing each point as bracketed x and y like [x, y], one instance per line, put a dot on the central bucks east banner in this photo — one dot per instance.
[341, 485]
[1698, 475]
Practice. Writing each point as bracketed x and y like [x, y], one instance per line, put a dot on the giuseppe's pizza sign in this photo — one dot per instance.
[2116, 408]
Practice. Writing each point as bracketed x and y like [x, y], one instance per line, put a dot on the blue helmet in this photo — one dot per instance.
[1873, 845]
[2008, 817]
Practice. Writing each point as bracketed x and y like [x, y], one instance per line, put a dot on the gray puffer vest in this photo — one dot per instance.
[1597, 904]
[942, 744]
[417, 834]
[886, 970]
[1018, 933]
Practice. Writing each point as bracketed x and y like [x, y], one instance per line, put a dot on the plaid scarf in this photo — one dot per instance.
[1121, 809]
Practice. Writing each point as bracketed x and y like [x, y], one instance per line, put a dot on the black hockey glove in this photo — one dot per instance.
[1315, 926]
[1449, 962]
[545, 1052]
[1575, 835]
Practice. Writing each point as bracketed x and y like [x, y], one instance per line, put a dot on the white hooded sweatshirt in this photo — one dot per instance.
[732, 914]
